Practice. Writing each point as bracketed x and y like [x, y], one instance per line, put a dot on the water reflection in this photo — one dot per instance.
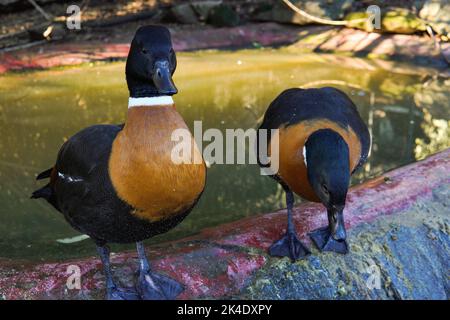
[407, 115]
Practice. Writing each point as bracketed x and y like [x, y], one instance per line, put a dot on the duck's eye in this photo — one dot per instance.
[144, 51]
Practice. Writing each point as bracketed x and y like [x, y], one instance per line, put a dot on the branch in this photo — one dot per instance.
[321, 20]
[42, 11]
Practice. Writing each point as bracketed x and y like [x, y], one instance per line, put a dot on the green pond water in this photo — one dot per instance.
[407, 115]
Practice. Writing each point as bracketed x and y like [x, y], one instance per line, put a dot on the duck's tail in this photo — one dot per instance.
[46, 191]
[44, 174]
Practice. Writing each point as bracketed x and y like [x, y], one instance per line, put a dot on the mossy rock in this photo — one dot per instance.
[402, 21]
[393, 21]
[354, 21]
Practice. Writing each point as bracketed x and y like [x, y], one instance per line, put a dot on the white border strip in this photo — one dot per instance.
[150, 101]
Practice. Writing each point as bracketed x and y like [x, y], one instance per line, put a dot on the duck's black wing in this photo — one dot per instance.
[295, 105]
[81, 167]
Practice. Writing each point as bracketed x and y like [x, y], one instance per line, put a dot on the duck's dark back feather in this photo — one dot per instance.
[296, 105]
[44, 174]
[83, 192]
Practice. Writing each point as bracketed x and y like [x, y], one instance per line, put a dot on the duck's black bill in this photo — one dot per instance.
[336, 224]
[162, 78]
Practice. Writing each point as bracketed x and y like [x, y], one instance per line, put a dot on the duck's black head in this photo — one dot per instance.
[328, 167]
[151, 63]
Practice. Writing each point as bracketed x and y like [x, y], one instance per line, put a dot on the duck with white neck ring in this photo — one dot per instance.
[118, 183]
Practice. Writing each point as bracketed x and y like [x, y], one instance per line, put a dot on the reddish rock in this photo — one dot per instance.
[63, 54]
[222, 261]
[412, 48]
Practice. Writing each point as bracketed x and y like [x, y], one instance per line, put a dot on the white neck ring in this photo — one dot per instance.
[304, 156]
[150, 101]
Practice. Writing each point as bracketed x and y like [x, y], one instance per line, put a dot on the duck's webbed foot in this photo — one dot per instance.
[332, 237]
[154, 286]
[324, 241]
[289, 246]
[112, 291]
[115, 293]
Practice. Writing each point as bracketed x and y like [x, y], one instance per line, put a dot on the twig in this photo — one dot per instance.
[14, 34]
[22, 46]
[84, 5]
[321, 20]
[42, 11]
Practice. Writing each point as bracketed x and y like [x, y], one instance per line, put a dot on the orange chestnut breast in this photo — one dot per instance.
[141, 168]
[292, 168]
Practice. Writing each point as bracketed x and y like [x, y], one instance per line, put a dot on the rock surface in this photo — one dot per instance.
[203, 8]
[279, 12]
[398, 233]
[405, 256]
[400, 21]
[437, 13]
[390, 48]
[396, 47]
[62, 54]
[184, 13]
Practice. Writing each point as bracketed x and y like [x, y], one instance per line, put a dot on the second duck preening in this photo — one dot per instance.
[322, 142]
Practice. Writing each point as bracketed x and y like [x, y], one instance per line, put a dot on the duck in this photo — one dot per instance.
[119, 183]
[321, 141]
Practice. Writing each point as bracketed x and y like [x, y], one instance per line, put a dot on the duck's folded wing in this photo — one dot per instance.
[80, 167]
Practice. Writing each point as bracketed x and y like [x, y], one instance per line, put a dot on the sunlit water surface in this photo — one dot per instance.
[407, 115]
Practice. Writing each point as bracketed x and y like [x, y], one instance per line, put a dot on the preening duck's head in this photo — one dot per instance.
[328, 167]
[151, 63]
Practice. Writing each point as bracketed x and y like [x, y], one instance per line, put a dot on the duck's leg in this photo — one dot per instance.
[112, 291]
[332, 237]
[153, 286]
[289, 245]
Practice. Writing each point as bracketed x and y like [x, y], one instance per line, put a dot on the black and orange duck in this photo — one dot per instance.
[322, 140]
[118, 183]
